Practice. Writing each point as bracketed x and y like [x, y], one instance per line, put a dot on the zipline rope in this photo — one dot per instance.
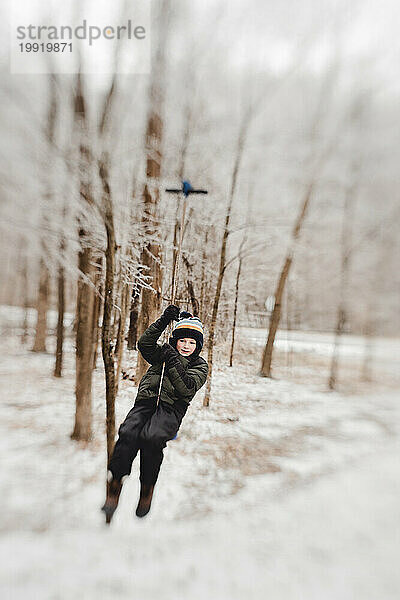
[175, 278]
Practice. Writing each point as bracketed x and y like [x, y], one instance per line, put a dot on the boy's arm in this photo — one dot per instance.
[147, 344]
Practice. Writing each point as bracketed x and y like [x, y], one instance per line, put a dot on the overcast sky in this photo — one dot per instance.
[259, 33]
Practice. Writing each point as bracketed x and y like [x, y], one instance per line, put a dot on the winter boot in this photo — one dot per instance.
[146, 494]
[114, 487]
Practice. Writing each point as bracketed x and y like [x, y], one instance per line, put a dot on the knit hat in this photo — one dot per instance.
[188, 327]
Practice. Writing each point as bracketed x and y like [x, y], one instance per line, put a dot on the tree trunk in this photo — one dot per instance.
[133, 320]
[340, 325]
[119, 286]
[98, 304]
[345, 266]
[84, 348]
[193, 300]
[25, 293]
[190, 287]
[235, 311]
[275, 318]
[181, 172]
[366, 368]
[280, 288]
[222, 265]
[211, 333]
[60, 304]
[85, 293]
[203, 273]
[289, 353]
[385, 244]
[239, 271]
[44, 285]
[60, 322]
[119, 347]
[151, 255]
[151, 301]
[42, 308]
[324, 100]
[107, 342]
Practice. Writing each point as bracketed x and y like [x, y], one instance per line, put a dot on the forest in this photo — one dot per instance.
[286, 118]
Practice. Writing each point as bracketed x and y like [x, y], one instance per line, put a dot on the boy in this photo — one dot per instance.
[148, 425]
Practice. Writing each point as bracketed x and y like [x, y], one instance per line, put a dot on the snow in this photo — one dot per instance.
[322, 342]
[278, 490]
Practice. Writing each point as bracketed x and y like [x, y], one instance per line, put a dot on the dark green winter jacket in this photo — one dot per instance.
[177, 385]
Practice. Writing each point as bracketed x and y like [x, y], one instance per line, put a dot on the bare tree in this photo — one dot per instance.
[318, 161]
[107, 337]
[106, 332]
[235, 307]
[347, 226]
[222, 260]
[181, 170]
[190, 286]
[25, 294]
[42, 308]
[151, 256]
[203, 273]
[276, 312]
[119, 346]
[239, 272]
[60, 317]
[60, 306]
[44, 276]
[98, 305]
[85, 296]
[133, 319]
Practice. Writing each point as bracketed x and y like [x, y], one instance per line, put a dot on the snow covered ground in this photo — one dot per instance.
[278, 490]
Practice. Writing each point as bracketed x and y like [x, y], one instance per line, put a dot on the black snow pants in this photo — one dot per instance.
[147, 427]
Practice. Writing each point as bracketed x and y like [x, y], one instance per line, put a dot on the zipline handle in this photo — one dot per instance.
[186, 189]
[176, 191]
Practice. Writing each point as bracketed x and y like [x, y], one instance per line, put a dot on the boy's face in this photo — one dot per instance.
[186, 346]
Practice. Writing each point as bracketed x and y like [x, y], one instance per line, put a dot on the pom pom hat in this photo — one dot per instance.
[188, 327]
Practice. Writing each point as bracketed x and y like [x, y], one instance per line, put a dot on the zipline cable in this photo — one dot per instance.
[175, 276]
[186, 189]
